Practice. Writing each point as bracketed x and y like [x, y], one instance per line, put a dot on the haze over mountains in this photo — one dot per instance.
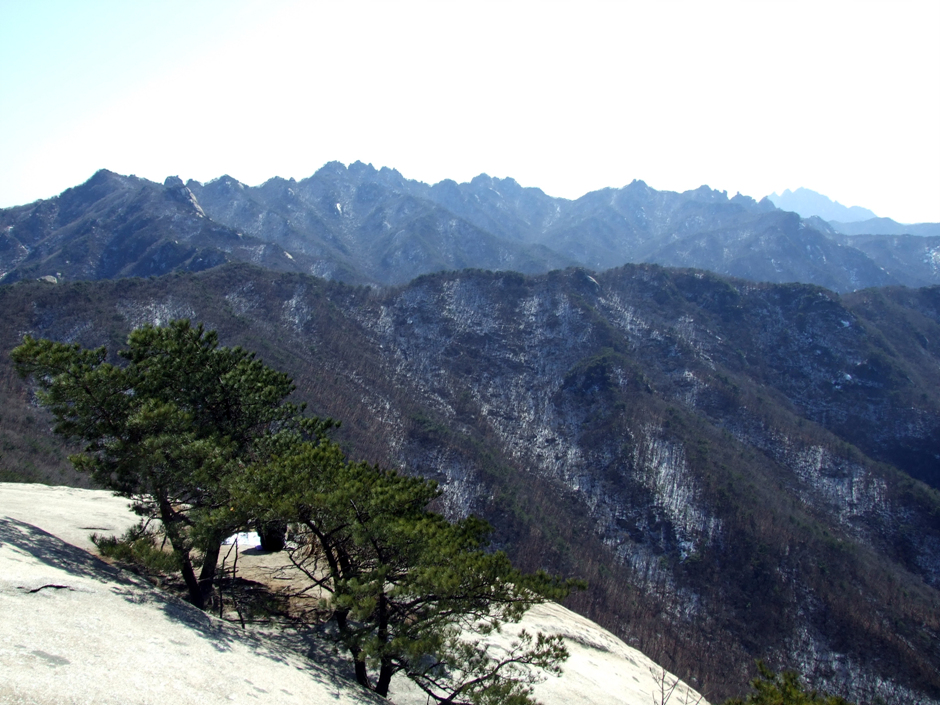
[740, 468]
[809, 203]
[362, 225]
[848, 221]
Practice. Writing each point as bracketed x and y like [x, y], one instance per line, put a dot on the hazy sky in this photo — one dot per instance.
[839, 97]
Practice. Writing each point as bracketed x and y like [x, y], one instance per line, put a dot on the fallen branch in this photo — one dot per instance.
[54, 587]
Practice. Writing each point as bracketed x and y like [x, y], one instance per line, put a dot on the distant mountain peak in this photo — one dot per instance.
[707, 194]
[357, 168]
[333, 168]
[228, 181]
[481, 179]
[808, 203]
[104, 177]
[637, 186]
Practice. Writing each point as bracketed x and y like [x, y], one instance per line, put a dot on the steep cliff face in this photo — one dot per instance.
[720, 459]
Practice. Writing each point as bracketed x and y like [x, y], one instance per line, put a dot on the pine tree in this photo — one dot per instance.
[404, 585]
[167, 425]
[783, 689]
[202, 438]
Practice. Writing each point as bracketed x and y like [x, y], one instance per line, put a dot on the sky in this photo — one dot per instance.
[841, 97]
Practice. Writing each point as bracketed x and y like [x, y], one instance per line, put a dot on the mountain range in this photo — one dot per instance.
[368, 226]
[739, 469]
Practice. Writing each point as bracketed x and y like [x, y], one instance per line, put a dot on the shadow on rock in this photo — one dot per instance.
[54, 552]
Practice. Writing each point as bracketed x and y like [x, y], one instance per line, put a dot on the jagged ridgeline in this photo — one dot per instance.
[362, 225]
[739, 470]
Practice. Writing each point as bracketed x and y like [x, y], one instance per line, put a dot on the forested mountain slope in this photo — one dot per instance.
[730, 465]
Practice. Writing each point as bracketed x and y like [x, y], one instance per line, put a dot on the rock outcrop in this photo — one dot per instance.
[74, 629]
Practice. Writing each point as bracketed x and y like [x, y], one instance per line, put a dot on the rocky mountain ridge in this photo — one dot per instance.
[362, 225]
[727, 463]
[116, 226]
[809, 203]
